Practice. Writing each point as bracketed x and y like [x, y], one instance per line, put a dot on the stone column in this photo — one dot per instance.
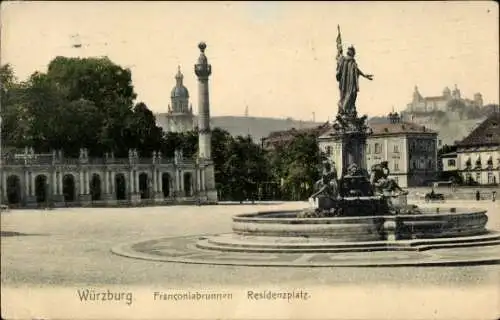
[33, 184]
[136, 181]
[181, 179]
[176, 174]
[27, 191]
[54, 182]
[198, 179]
[160, 181]
[112, 182]
[82, 190]
[131, 182]
[203, 70]
[4, 185]
[155, 178]
[202, 180]
[60, 184]
[106, 181]
[87, 182]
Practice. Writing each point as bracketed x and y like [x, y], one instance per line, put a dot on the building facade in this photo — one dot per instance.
[477, 159]
[440, 103]
[31, 180]
[409, 149]
[179, 116]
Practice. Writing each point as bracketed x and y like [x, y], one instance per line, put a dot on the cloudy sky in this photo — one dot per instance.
[277, 58]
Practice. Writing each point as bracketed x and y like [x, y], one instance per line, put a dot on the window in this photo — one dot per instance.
[451, 163]
[490, 163]
[468, 163]
[368, 148]
[414, 164]
[478, 177]
[396, 166]
[478, 162]
[378, 148]
[329, 150]
[491, 178]
[429, 164]
[396, 148]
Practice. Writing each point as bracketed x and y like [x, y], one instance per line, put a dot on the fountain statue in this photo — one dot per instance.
[355, 192]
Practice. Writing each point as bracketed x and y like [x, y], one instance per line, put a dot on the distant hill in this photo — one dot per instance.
[257, 127]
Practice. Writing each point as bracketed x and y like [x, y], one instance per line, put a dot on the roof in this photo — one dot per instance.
[287, 135]
[487, 133]
[399, 128]
[449, 155]
[293, 132]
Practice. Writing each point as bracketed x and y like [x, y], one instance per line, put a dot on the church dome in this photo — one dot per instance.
[179, 91]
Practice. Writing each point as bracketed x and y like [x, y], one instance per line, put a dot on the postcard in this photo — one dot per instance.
[249, 160]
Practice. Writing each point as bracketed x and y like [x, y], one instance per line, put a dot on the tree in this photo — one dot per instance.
[13, 117]
[109, 87]
[296, 166]
[145, 135]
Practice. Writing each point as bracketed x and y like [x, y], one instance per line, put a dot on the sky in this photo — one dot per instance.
[277, 58]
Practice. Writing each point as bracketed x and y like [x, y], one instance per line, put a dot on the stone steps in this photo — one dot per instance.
[226, 243]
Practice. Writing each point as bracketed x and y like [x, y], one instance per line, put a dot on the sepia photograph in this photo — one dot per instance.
[249, 160]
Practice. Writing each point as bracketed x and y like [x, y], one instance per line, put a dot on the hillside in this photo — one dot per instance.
[449, 131]
[257, 127]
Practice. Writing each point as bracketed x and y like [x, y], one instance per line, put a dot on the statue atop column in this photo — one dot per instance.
[347, 76]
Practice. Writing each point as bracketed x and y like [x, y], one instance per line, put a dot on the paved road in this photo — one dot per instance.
[71, 247]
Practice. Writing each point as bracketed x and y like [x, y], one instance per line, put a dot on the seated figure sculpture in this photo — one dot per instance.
[327, 187]
[381, 181]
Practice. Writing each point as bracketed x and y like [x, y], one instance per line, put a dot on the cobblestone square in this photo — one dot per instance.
[71, 247]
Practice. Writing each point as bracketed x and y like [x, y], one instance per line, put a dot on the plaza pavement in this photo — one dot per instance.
[71, 247]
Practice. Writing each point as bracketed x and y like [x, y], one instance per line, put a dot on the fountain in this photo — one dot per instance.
[356, 212]
[355, 220]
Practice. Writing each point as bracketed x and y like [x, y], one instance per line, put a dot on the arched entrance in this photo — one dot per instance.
[13, 189]
[188, 180]
[41, 188]
[69, 189]
[165, 180]
[120, 187]
[144, 185]
[95, 187]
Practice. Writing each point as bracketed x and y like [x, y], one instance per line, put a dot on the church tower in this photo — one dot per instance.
[180, 113]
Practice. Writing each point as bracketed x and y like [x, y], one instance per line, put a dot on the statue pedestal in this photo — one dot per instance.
[351, 132]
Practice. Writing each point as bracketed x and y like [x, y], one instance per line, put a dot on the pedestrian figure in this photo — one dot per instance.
[493, 196]
[478, 195]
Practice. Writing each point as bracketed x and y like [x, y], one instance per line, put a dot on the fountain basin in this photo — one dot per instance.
[430, 223]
